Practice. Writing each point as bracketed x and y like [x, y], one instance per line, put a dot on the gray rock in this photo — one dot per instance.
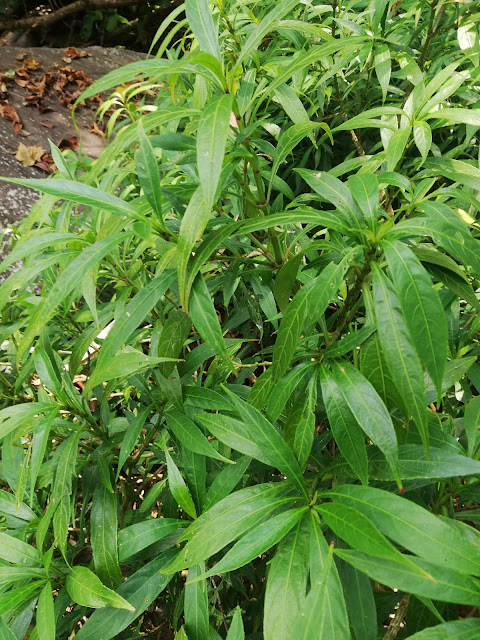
[54, 123]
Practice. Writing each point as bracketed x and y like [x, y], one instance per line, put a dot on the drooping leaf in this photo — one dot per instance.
[286, 583]
[369, 411]
[229, 519]
[86, 589]
[103, 536]
[348, 435]
[401, 359]
[422, 309]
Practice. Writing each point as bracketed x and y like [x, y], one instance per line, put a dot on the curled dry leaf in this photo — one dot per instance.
[9, 112]
[31, 64]
[71, 52]
[28, 156]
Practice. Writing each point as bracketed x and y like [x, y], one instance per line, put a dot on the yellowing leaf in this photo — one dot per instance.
[28, 156]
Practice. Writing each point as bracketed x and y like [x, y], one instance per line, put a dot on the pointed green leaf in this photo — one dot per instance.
[131, 436]
[369, 411]
[103, 536]
[140, 590]
[457, 630]
[196, 605]
[178, 487]
[286, 584]
[200, 20]
[411, 527]
[310, 302]
[447, 586]
[83, 194]
[402, 361]
[204, 317]
[138, 536]
[422, 309]
[348, 435]
[236, 631]
[191, 437]
[257, 541]
[65, 284]
[148, 173]
[86, 589]
[127, 322]
[472, 424]
[364, 188]
[452, 233]
[268, 439]
[229, 519]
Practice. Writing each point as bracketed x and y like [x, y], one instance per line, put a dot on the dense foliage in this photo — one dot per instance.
[240, 390]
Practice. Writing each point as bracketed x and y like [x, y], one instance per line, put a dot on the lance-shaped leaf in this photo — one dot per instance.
[138, 536]
[447, 585]
[140, 590]
[401, 358]
[369, 411]
[178, 487]
[286, 583]
[472, 424]
[236, 631]
[128, 320]
[83, 194]
[234, 434]
[348, 435]
[85, 588]
[289, 140]
[334, 619]
[196, 605]
[456, 630]
[226, 481]
[422, 309]
[268, 23]
[191, 437]
[268, 439]
[205, 319]
[364, 188]
[229, 519]
[45, 617]
[452, 233]
[411, 527]
[17, 551]
[354, 528]
[104, 536]
[335, 191]
[148, 173]
[65, 284]
[310, 302]
[200, 20]
[131, 436]
[312, 620]
[256, 542]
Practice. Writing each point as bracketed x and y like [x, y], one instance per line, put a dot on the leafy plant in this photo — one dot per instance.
[240, 380]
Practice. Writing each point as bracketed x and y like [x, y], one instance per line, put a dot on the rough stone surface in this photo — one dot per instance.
[15, 200]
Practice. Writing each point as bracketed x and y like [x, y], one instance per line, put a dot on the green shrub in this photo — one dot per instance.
[243, 342]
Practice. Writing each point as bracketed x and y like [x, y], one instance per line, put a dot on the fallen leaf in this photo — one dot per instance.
[28, 156]
[21, 56]
[71, 52]
[68, 143]
[31, 64]
[67, 59]
[9, 112]
[48, 125]
[94, 128]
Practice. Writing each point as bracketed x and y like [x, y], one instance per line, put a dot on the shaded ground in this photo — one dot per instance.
[38, 85]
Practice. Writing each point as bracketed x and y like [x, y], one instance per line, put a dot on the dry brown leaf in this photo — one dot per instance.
[28, 156]
[31, 64]
[94, 128]
[71, 52]
[9, 112]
